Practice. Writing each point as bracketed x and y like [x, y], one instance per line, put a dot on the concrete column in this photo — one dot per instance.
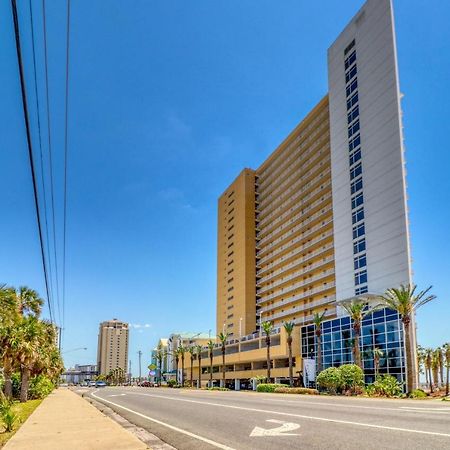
[237, 385]
[221, 383]
[254, 384]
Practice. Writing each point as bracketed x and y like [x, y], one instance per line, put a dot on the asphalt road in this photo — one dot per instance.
[191, 419]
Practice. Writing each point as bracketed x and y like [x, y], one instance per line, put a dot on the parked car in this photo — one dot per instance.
[100, 384]
[91, 384]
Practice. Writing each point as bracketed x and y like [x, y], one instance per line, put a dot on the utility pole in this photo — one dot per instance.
[129, 372]
[140, 354]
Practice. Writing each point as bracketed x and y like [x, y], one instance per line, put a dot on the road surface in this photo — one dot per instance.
[195, 419]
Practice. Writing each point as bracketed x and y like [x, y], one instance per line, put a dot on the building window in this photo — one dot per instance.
[357, 200]
[355, 171]
[353, 114]
[361, 290]
[356, 185]
[361, 277]
[354, 142]
[358, 215]
[349, 47]
[351, 87]
[350, 60]
[354, 128]
[353, 100]
[350, 73]
[355, 156]
[360, 262]
[358, 231]
[359, 245]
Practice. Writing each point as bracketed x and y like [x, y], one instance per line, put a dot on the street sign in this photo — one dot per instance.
[152, 367]
[152, 373]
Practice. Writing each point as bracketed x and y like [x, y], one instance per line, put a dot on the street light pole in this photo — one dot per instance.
[140, 354]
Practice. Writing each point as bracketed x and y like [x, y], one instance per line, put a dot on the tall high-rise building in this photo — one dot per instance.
[112, 351]
[324, 219]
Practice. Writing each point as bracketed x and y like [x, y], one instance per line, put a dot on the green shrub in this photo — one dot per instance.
[171, 383]
[268, 387]
[330, 379]
[385, 386]
[352, 378]
[217, 388]
[7, 415]
[295, 390]
[40, 387]
[418, 393]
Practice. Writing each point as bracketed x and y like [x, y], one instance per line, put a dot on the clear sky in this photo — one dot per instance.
[168, 102]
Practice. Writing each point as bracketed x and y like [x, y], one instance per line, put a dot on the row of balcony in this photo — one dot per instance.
[300, 284]
[302, 237]
[301, 249]
[293, 264]
[281, 210]
[298, 170]
[295, 148]
[301, 308]
[306, 210]
[303, 224]
[321, 263]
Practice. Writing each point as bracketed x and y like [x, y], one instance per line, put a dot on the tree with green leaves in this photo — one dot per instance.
[160, 355]
[267, 327]
[421, 355]
[198, 351]
[447, 365]
[428, 366]
[289, 328]
[211, 346]
[357, 309]
[223, 337]
[191, 350]
[405, 300]
[176, 355]
[318, 320]
[377, 354]
[181, 352]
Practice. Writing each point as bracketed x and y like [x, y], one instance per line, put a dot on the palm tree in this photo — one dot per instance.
[421, 355]
[357, 310]
[223, 342]
[199, 357]
[211, 355]
[440, 362]
[377, 353]
[428, 366]
[176, 355]
[29, 302]
[289, 328]
[191, 350]
[267, 327]
[317, 320]
[447, 365]
[182, 351]
[435, 367]
[405, 301]
[159, 357]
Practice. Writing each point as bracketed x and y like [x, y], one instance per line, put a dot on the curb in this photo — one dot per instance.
[152, 441]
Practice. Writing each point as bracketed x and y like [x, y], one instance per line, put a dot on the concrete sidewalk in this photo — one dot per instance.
[64, 420]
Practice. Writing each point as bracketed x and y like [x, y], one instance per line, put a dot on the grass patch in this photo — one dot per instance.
[23, 410]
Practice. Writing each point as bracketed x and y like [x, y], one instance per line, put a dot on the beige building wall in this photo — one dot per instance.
[236, 270]
[112, 351]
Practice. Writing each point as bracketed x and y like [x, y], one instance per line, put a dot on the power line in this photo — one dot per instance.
[40, 150]
[30, 148]
[65, 166]
[50, 153]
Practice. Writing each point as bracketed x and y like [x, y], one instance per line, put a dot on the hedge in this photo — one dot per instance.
[268, 387]
[296, 390]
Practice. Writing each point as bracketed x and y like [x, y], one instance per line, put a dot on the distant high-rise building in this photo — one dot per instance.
[112, 351]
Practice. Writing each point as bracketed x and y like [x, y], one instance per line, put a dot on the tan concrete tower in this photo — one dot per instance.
[112, 351]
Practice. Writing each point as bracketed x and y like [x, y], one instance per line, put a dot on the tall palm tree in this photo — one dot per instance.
[29, 301]
[421, 355]
[377, 353]
[182, 351]
[317, 320]
[406, 301]
[211, 355]
[198, 349]
[440, 362]
[159, 357]
[267, 327]
[435, 367]
[447, 365]
[357, 310]
[289, 328]
[191, 350]
[223, 342]
[176, 355]
[428, 366]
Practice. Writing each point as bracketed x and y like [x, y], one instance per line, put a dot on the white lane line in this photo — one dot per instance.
[302, 416]
[343, 405]
[179, 430]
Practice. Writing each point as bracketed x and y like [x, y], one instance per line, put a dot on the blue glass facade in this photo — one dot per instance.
[382, 329]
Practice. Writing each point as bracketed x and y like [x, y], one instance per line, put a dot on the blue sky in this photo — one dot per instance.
[169, 101]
